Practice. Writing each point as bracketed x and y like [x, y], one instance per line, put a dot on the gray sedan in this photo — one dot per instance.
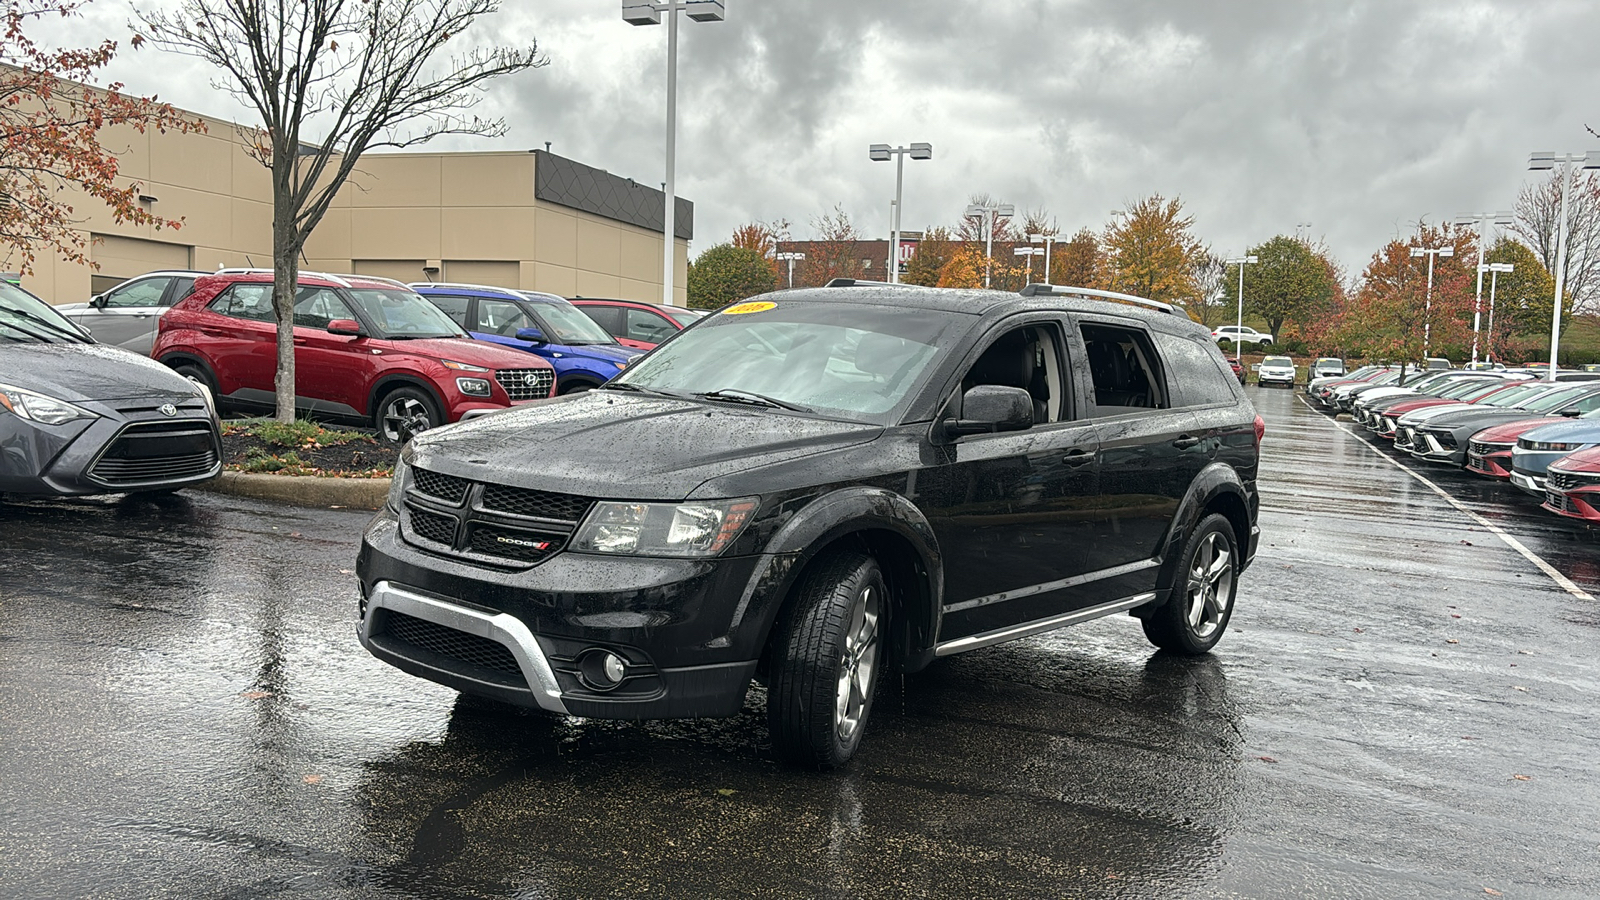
[126, 316]
[78, 417]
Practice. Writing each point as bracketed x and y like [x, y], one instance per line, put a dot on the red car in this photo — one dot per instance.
[1489, 452]
[367, 350]
[1572, 487]
[635, 323]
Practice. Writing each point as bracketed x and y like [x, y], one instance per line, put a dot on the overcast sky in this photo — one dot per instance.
[1357, 117]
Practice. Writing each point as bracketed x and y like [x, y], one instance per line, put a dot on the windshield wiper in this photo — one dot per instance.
[54, 327]
[636, 389]
[734, 395]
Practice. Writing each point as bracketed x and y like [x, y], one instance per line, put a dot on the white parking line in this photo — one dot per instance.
[1560, 579]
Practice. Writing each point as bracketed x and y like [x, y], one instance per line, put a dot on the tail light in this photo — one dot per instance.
[1261, 430]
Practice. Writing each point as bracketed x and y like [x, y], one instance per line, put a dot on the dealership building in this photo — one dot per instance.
[520, 219]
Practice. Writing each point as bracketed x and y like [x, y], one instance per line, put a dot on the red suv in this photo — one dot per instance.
[635, 323]
[367, 350]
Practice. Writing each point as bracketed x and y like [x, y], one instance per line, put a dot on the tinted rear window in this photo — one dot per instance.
[1198, 373]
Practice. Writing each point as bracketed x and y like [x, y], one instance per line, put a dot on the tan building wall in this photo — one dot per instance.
[411, 216]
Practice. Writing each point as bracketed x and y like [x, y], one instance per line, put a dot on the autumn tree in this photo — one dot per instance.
[1522, 299]
[763, 237]
[727, 274]
[1538, 214]
[834, 253]
[1149, 251]
[933, 252]
[1392, 316]
[1076, 262]
[331, 80]
[51, 155]
[964, 268]
[1289, 281]
[988, 233]
[1210, 276]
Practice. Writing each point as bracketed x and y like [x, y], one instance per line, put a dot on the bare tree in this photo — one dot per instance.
[332, 79]
[1538, 216]
[835, 253]
[1210, 304]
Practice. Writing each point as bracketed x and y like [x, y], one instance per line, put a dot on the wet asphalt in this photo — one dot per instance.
[1403, 707]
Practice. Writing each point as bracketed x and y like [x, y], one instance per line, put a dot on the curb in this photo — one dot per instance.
[303, 490]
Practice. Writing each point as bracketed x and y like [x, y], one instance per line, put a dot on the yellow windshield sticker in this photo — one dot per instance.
[740, 309]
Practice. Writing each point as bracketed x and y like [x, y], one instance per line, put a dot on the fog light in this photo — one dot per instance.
[602, 669]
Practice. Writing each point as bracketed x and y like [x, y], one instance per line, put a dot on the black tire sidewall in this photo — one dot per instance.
[1168, 628]
[196, 372]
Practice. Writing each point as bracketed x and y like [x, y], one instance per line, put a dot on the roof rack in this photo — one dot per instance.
[1056, 290]
[244, 270]
[862, 282]
[464, 284]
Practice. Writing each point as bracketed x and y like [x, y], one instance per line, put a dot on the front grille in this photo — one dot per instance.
[153, 452]
[534, 504]
[448, 488]
[1556, 501]
[507, 543]
[1566, 481]
[1444, 439]
[433, 526]
[1479, 448]
[458, 645]
[526, 384]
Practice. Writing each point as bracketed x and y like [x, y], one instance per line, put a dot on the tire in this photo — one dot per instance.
[828, 656]
[403, 413]
[576, 387]
[1201, 604]
[199, 376]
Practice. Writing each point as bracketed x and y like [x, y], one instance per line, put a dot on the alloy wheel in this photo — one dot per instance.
[858, 665]
[1210, 585]
[403, 418]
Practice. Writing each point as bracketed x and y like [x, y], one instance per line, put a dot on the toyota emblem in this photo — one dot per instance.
[167, 409]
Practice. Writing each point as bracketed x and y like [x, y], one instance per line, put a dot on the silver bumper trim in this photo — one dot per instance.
[499, 627]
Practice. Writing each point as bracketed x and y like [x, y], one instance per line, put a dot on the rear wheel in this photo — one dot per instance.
[827, 659]
[405, 412]
[576, 387]
[199, 376]
[1196, 615]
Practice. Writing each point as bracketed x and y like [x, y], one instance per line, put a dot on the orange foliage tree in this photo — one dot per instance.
[1149, 251]
[1391, 316]
[50, 152]
[762, 237]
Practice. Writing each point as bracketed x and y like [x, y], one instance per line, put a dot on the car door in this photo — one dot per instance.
[126, 315]
[241, 338]
[1150, 450]
[1011, 511]
[498, 321]
[648, 327]
[330, 374]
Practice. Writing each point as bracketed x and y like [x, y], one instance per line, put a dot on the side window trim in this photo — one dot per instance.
[1066, 367]
[1156, 367]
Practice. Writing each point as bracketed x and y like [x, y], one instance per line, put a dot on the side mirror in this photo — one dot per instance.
[531, 335]
[1570, 413]
[346, 327]
[989, 408]
[98, 301]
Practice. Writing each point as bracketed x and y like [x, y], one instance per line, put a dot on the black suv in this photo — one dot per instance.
[814, 487]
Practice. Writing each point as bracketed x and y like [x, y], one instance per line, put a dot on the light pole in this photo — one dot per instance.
[1427, 315]
[1047, 240]
[1494, 270]
[882, 153]
[1547, 160]
[1241, 262]
[1481, 221]
[1030, 253]
[648, 12]
[790, 257]
[988, 214]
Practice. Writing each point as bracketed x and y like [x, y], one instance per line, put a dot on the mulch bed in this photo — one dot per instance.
[321, 452]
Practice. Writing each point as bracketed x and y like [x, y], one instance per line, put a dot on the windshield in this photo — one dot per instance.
[1554, 400]
[1277, 361]
[855, 362]
[25, 319]
[401, 314]
[568, 324]
[1511, 396]
[1329, 361]
[1479, 390]
[1459, 388]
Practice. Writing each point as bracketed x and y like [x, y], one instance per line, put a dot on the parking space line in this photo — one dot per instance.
[1563, 581]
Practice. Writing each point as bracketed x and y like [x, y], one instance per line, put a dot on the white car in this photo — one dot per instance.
[1242, 334]
[1275, 370]
[126, 316]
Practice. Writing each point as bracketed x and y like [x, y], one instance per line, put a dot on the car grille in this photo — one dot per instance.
[1479, 448]
[458, 645]
[492, 523]
[155, 452]
[1557, 501]
[1566, 481]
[1444, 439]
[526, 384]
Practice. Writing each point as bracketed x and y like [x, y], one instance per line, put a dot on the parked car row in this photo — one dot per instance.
[1539, 432]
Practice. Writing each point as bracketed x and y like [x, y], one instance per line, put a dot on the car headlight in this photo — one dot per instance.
[461, 366]
[397, 484]
[664, 529]
[473, 387]
[40, 408]
[1552, 446]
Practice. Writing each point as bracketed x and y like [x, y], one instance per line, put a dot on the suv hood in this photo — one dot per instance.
[467, 350]
[85, 372]
[618, 446]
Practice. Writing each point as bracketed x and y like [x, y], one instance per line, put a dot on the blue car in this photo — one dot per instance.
[1537, 449]
[584, 355]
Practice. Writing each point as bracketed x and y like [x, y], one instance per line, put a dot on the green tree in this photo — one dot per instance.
[1076, 263]
[727, 274]
[1149, 251]
[1522, 299]
[1290, 282]
[933, 252]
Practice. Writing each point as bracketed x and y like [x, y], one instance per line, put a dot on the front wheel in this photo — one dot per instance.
[1201, 603]
[827, 658]
[404, 413]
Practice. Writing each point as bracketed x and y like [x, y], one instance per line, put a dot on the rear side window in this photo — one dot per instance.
[245, 301]
[1196, 371]
[1126, 371]
[648, 326]
[609, 318]
[452, 306]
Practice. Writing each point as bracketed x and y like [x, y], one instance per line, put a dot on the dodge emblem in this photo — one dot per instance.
[167, 409]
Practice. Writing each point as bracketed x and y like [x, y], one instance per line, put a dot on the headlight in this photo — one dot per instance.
[1548, 445]
[473, 387]
[664, 529]
[402, 474]
[461, 366]
[39, 408]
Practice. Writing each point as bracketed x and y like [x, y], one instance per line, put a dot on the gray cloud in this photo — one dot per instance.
[1358, 117]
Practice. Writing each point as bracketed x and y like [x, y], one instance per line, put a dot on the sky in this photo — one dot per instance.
[1345, 121]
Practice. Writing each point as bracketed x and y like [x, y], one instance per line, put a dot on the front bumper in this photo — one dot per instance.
[1533, 484]
[1493, 461]
[691, 630]
[1577, 503]
[1435, 448]
[116, 452]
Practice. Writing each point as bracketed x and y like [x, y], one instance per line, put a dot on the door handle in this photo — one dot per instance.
[1078, 457]
[1186, 442]
[299, 341]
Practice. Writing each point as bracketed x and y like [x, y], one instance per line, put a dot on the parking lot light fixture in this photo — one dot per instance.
[1480, 221]
[884, 153]
[648, 12]
[1241, 262]
[988, 213]
[1540, 161]
[1030, 253]
[1494, 270]
[1427, 315]
[790, 257]
[1047, 240]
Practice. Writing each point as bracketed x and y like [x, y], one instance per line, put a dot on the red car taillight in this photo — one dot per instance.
[1261, 430]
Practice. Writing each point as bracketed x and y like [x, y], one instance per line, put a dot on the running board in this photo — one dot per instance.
[990, 638]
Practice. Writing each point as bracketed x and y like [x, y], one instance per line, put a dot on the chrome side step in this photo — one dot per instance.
[990, 638]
